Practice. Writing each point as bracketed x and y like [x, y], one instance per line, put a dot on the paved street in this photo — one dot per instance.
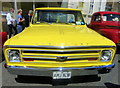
[107, 80]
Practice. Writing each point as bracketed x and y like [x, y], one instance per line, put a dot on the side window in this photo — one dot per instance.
[96, 18]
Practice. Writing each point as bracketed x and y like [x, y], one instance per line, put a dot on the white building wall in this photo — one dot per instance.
[86, 6]
[64, 4]
[103, 5]
[99, 5]
[73, 3]
[96, 6]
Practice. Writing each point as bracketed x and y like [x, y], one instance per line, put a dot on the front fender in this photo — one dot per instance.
[111, 34]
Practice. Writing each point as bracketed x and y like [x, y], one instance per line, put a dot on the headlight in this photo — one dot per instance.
[106, 55]
[14, 55]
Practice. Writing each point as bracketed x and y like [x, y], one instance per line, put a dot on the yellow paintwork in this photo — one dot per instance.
[59, 35]
[56, 8]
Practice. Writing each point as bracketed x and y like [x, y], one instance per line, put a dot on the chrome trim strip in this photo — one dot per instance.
[82, 58]
[59, 68]
[37, 58]
[55, 47]
[59, 62]
[65, 56]
[61, 51]
[39, 55]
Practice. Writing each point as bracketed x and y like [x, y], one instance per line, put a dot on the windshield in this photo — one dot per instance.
[58, 16]
[111, 17]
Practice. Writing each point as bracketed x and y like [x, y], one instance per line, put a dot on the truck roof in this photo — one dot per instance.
[56, 8]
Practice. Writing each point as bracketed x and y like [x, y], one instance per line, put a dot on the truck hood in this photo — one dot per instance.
[58, 35]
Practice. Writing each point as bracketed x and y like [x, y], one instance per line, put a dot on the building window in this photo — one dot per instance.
[91, 6]
[109, 7]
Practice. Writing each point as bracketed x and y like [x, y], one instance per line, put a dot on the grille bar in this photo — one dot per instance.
[60, 51]
[55, 59]
[38, 58]
[82, 58]
[66, 56]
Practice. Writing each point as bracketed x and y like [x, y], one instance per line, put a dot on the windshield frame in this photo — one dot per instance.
[78, 15]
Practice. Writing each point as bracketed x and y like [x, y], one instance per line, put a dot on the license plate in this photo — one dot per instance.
[61, 75]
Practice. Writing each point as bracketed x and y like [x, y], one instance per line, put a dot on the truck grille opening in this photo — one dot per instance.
[60, 55]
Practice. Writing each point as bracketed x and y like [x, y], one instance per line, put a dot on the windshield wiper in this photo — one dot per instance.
[70, 23]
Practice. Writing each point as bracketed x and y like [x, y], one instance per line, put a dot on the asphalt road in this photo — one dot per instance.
[109, 80]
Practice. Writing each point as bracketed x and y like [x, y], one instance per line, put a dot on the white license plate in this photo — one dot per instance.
[61, 75]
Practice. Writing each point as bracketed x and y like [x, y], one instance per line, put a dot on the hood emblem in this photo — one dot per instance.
[61, 58]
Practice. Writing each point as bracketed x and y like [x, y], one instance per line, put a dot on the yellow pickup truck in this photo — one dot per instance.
[58, 44]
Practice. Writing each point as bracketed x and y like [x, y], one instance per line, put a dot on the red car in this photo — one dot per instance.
[3, 38]
[107, 23]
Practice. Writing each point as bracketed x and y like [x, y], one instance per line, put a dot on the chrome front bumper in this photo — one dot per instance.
[20, 70]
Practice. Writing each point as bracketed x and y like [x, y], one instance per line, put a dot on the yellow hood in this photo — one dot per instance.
[58, 35]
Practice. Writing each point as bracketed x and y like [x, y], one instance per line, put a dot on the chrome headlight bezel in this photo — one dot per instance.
[13, 55]
[106, 55]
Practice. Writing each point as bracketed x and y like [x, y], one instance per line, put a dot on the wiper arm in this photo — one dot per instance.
[43, 22]
[70, 23]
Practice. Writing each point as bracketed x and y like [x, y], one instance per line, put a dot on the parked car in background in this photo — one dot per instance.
[3, 38]
[60, 45]
[107, 23]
